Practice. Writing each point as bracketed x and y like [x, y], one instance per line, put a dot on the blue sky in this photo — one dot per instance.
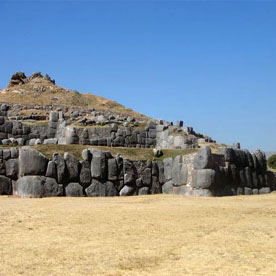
[211, 64]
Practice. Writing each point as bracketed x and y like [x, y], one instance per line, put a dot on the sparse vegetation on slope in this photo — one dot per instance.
[43, 92]
[128, 153]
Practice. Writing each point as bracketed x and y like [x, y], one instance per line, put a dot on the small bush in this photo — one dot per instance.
[271, 162]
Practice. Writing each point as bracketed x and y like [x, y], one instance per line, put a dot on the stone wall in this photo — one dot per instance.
[103, 131]
[28, 173]
[231, 172]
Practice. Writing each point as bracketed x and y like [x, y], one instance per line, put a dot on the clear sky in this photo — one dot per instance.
[211, 64]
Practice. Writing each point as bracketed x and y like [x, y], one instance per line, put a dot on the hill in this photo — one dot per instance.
[42, 90]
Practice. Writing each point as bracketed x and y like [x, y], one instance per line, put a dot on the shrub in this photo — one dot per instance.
[271, 162]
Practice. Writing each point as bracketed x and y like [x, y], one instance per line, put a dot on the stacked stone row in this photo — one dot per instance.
[8, 170]
[243, 173]
[16, 132]
[98, 174]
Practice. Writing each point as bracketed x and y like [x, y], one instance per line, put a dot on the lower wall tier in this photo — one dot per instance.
[25, 172]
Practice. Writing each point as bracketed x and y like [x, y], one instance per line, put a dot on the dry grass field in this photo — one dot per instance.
[147, 235]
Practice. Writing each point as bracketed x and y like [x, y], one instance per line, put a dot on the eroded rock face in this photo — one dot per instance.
[98, 188]
[72, 165]
[35, 187]
[32, 162]
[17, 79]
[74, 190]
[5, 185]
[203, 159]
[98, 164]
[203, 179]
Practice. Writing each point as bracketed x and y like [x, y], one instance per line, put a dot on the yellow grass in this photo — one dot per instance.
[149, 235]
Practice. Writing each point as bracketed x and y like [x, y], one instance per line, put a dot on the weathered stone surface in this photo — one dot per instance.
[12, 168]
[228, 153]
[71, 135]
[52, 141]
[161, 175]
[248, 177]
[51, 170]
[180, 190]
[5, 185]
[86, 155]
[127, 191]
[35, 186]
[202, 193]
[146, 177]
[32, 162]
[54, 116]
[6, 154]
[167, 188]
[129, 174]
[85, 174]
[60, 167]
[98, 188]
[156, 187]
[2, 167]
[51, 188]
[203, 179]
[264, 190]
[143, 191]
[72, 164]
[14, 152]
[203, 159]
[248, 191]
[98, 164]
[179, 172]
[110, 189]
[168, 163]
[240, 191]
[112, 170]
[74, 190]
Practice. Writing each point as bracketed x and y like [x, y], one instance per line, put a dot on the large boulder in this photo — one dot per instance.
[60, 168]
[31, 162]
[74, 190]
[85, 174]
[12, 168]
[5, 185]
[51, 188]
[202, 193]
[203, 159]
[51, 170]
[71, 136]
[112, 170]
[203, 179]
[98, 188]
[127, 191]
[179, 172]
[35, 186]
[168, 163]
[167, 188]
[129, 173]
[72, 165]
[98, 164]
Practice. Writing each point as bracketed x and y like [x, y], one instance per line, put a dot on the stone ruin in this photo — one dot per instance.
[99, 130]
[26, 172]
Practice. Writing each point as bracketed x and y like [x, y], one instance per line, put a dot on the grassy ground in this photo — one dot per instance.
[129, 153]
[149, 235]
